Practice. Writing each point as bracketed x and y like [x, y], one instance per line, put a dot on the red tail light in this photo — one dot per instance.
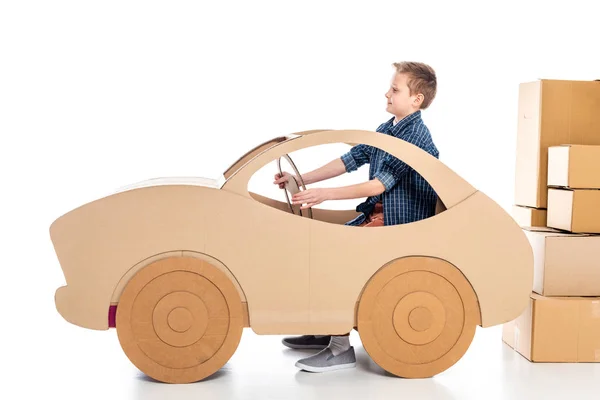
[112, 317]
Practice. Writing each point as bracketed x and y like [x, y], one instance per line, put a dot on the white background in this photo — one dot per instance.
[97, 95]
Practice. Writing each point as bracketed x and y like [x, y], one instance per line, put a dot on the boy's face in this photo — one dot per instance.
[399, 101]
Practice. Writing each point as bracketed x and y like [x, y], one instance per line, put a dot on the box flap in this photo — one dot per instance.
[538, 297]
[547, 231]
[541, 229]
[573, 145]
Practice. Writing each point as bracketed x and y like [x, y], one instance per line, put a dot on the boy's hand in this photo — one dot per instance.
[282, 180]
[311, 197]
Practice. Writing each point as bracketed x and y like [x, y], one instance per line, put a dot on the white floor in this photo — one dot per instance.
[71, 362]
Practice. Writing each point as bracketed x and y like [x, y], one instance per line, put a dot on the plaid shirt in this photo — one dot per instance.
[407, 196]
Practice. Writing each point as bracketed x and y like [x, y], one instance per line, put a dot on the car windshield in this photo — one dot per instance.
[253, 153]
[260, 148]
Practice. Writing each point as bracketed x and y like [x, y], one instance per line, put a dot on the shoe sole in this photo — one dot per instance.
[305, 346]
[325, 369]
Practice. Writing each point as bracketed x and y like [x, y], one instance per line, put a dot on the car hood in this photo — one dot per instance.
[183, 180]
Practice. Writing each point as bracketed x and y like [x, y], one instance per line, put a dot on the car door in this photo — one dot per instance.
[330, 283]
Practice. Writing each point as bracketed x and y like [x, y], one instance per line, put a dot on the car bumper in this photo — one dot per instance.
[79, 309]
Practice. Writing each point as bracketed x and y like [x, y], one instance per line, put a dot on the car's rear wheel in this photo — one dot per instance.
[417, 316]
[179, 319]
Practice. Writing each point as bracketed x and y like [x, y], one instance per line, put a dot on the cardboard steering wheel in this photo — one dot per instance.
[292, 186]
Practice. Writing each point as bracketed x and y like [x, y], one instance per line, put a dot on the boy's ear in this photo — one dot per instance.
[419, 99]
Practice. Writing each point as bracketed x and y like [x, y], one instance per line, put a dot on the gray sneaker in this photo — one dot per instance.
[326, 361]
[307, 342]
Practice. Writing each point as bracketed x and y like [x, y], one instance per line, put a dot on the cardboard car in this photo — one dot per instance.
[180, 266]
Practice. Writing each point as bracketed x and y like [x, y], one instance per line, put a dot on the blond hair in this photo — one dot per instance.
[421, 79]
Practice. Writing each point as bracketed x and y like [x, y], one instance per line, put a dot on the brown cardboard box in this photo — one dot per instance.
[527, 216]
[557, 329]
[574, 166]
[574, 210]
[565, 264]
[551, 113]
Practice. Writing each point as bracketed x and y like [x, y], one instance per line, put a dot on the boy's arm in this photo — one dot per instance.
[387, 175]
[352, 160]
[328, 171]
[312, 197]
[367, 189]
[356, 157]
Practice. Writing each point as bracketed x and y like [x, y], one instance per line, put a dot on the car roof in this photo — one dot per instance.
[240, 162]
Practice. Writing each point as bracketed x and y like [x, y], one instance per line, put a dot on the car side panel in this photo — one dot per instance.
[267, 250]
[298, 275]
[97, 243]
[476, 236]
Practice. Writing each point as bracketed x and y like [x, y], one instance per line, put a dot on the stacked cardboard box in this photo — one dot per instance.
[574, 183]
[557, 203]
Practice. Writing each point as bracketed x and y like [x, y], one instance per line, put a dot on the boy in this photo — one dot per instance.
[395, 193]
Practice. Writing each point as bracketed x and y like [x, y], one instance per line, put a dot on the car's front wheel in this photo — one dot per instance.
[179, 319]
[417, 316]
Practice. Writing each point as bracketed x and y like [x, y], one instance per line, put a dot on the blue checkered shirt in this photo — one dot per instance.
[407, 196]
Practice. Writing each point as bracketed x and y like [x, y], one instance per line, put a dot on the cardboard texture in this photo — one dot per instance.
[574, 166]
[557, 329]
[574, 210]
[565, 264]
[196, 324]
[551, 113]
[529, 217]
[278, 272]
[434, 310]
